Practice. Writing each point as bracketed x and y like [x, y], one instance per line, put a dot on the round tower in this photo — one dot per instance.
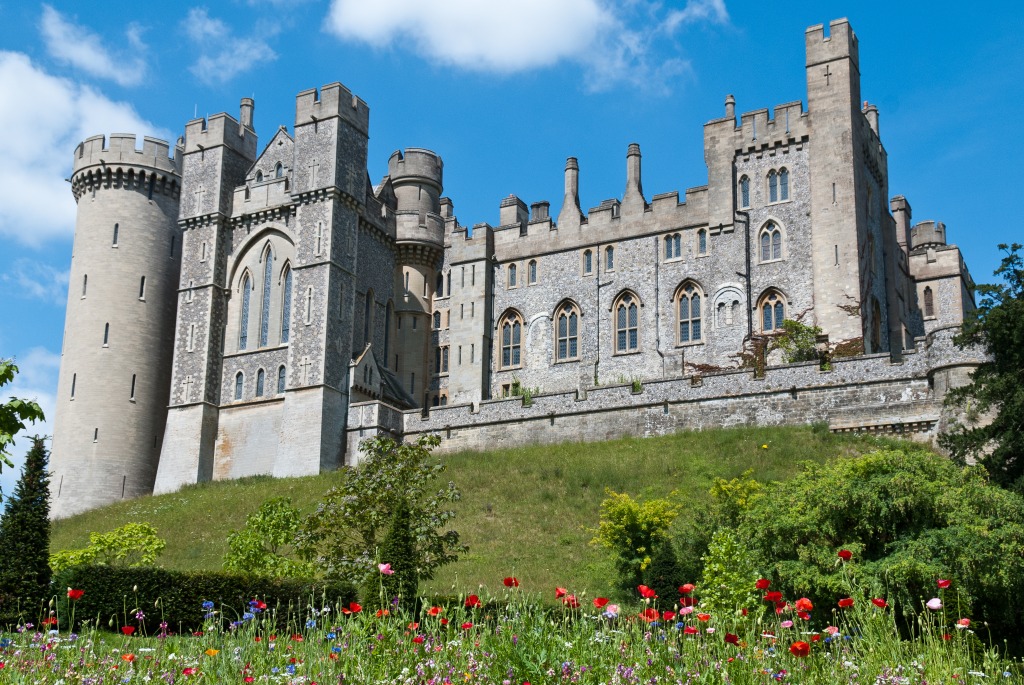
[416, 177]
[119, 330]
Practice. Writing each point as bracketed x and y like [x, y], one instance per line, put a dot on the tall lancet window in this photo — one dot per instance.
[268, 277]
[243, 324]
[286, 307]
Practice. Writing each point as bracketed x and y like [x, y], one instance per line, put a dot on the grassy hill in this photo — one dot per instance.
[524, 511]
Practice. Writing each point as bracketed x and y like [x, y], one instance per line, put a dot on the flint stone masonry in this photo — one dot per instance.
[359, 273]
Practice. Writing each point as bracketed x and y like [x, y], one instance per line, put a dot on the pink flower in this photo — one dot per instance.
[832, 630]
[385, 569]
[963, 623]
[786, 624]
[934, 604]
[685, 611]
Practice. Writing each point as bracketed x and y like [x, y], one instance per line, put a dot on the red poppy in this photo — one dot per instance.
[846, 603]
[257, 604]
[51, 621]
[354, 608]
[879, 602]
[690, 630]
[804, 615]
[762, 584]
[472, 602]
[467, 625]
[128, 657]
[815, 638]
[704, 617]
[686, 589]
[800, 649]
[434, 611]
[418, 639]
[192, 670]
[650, 614]
[599, 602]
[773, 596]
[943, 584]
[413, 626]
[560, 592]
[571, 602]
[803, 604]
[732, 639]
[744, 611]
[511, 581]
[845, 554]
[669, 615]
[382, 612]
[296, 638]
[964, 622]
[75, 594]
[947, 636]
[444, 621]
[646, 592]
[687, 601]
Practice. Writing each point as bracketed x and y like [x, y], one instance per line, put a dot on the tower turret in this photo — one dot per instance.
[416, 177]
[119, 332]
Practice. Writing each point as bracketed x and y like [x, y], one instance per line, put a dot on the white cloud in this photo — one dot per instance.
[612, 40]
[37, 280]
[230, 54]
[43, 120]
[36, 380]
[76, 45]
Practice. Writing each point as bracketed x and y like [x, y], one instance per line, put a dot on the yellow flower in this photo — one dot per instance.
[212, 652]
[764, 447]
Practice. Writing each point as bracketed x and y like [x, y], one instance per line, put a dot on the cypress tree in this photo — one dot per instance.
[663, 574]
[25, 541]
[399, 550]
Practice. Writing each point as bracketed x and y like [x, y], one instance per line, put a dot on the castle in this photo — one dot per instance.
[235, 311]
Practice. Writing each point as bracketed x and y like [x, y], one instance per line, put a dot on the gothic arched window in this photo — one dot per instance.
[268, 279]
[771, 242]
[278, 170]
[239, 380]
[702, 242]
[367, 316]
[626, 312]
[511, 330]
[784, 184]
[773, 186]
[532, 271]
[286, 306]
[609, 258]
[437, 319]
[260, 379]
[773, 312]
[673, 246]
[511, 275]
[929, 302]
[439, 289]
[567, 326]
[280, 379]
[243, 321]
[688, 308]
[588, 262]
[744, 192]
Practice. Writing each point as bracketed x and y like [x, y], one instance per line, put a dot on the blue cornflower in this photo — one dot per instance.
[680, 625]
[248, 616]
[207, 604]
[311, 623]
[291, 668]
[331, 635]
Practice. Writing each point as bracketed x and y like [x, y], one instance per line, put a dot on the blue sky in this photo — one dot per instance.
[504, 90]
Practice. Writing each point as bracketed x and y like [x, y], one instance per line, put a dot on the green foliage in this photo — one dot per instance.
[25, 540]
[342, 536]
[117, 594]
[798, 341]
[730, 498]
[998, 384]
[908, 517]
[265, 545]
[399, 550]
[631, 529]
[13, 413]
[132, 545]
[663, 574]
[727, 582]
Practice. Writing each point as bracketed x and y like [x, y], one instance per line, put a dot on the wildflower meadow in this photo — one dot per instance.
[515, 635]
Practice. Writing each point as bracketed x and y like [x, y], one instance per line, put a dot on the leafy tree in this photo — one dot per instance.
[663, 574]
[398, 550]
[997, 325]
[632, 529]
[14, 413]
[132, 545]
[908, 518]
[265, 546]
[25, 539]
[730, 572]
[798, 341]
[343, 534]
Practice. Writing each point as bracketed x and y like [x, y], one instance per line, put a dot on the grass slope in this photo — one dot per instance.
[525, 511]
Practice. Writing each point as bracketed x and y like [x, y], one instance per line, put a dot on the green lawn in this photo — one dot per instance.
[524, 511]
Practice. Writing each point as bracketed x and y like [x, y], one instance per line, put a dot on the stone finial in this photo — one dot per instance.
[571, 214]
[730, 107]
[871, 112]
[246, 112]
[634, 195]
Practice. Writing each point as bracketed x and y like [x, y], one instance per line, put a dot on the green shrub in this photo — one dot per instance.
[398, 550]
[631, 529]
[133, 544]
[729, 576]
[908, 518]
[663, 575]
[25, 541]
[265, 546]
[113, 594]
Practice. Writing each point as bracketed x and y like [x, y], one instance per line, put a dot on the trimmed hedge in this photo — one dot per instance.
[177, 597]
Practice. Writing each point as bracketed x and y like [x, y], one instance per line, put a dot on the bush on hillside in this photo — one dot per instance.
[398, 578]
[663, 575]
[113, 596]
[266, 545]
[25, 541]
[908, 518]
[133, 544]
[631, 530]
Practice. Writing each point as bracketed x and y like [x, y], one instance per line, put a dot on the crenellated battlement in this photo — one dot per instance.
[927, 234]
[760, 128]
[840, 43]
[332, 100]
[220, 129]
[121, 149]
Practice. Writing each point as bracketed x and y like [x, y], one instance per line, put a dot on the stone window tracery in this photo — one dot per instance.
[239, 381]
[286, 305]
[532, 271]
[511, 330]
[268, 279]
[773, 311]
[626, 311]
[702, 242]
[609, 258]
[511, 275]
[243, 321]
[588, 262]
[689, 313]
[260, 379]
[744, 192]
[673, 246]
[567, 322]
[771, 242]
[280, 379]
[929, 302]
